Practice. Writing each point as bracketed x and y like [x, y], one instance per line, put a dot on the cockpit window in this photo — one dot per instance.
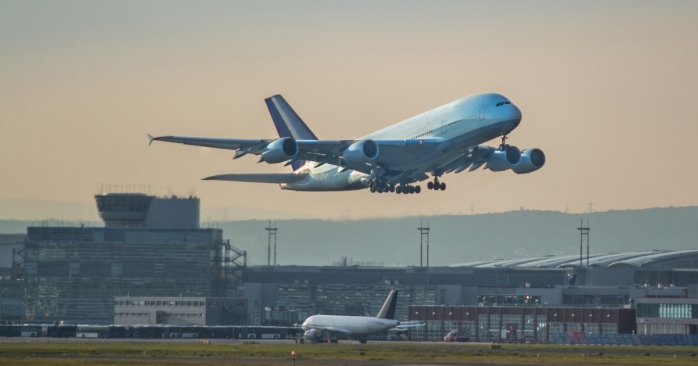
[503, 103]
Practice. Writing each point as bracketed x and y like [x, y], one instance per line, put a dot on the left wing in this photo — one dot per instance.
[276, 178]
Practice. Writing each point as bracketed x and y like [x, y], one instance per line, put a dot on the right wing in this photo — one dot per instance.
[276, 178]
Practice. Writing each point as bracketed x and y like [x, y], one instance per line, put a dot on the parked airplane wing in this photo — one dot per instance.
[334, 330]
[407, 325]
[260, 178]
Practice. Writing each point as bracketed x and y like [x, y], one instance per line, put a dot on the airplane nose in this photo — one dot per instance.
[515, 114]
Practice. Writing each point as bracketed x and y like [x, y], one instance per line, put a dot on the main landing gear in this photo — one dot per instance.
[436, 185]
[407, 189]
[378, 187]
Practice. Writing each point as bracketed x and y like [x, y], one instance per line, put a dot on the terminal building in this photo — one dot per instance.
[180, 310]
[151, 252]
[524, 323]
[602, 281]
[149, 246]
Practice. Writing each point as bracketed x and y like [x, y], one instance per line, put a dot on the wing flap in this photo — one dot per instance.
[276, 178]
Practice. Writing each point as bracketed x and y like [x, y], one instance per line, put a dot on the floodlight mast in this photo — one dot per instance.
[423, 231]
[583, 231]
[272, 232]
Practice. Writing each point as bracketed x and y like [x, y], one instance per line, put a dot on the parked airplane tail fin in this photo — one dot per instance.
[288, 123]
[388, 309]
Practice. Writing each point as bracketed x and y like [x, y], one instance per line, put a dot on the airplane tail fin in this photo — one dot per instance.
[288, 123]
[388, 309]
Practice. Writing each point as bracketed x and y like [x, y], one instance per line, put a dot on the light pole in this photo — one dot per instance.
[2, 293]
[496, 299]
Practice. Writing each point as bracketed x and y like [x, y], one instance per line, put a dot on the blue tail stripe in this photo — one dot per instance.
[288, 123]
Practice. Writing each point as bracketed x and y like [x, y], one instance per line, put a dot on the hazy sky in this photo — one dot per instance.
[607, 90]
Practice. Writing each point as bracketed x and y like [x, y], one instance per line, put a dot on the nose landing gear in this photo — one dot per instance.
[503, 146]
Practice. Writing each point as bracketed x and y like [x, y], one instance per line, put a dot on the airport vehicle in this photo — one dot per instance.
[321, 328]
[443, 140]
[62, 330]
[92, 331]
[148, 331]
[457, 336]
[33, 330]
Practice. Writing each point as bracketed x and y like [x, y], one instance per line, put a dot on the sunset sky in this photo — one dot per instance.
[607, 89]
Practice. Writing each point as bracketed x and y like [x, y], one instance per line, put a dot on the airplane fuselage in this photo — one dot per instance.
[349, 325]
[459, 125]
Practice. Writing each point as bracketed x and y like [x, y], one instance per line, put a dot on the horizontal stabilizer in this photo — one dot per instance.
[276, 178]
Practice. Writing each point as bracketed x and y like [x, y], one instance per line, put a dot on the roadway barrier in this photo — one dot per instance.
[624, 339]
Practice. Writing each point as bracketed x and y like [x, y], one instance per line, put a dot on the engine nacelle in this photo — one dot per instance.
[361, 152]
[531, 160]
[313, 335]
[280, 150]
[502, 160]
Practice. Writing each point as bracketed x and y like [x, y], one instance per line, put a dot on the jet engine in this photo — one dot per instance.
[531, 160]
[502, 160]
[280, 150]
[313, 335]
[521, 162]
[360, 153]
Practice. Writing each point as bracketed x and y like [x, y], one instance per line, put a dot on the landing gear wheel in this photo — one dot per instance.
[373, 189]
[417, 189]
[392, 188]
[435, 184]
[443, 186]
[398, 189]
[430, 185]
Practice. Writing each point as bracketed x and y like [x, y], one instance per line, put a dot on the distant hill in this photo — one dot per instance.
[458, 238]
[464, 238]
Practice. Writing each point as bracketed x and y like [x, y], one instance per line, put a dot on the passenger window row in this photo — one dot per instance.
[428, 132]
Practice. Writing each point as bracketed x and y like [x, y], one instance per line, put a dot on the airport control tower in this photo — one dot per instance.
[149, 246]
[138, 210]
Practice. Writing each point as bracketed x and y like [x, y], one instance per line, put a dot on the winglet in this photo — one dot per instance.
[150, 139]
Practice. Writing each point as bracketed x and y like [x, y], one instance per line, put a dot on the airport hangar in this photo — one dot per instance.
[153, 248]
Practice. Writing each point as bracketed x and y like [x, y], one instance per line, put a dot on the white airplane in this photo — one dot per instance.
[442, 140]
[319, 328]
